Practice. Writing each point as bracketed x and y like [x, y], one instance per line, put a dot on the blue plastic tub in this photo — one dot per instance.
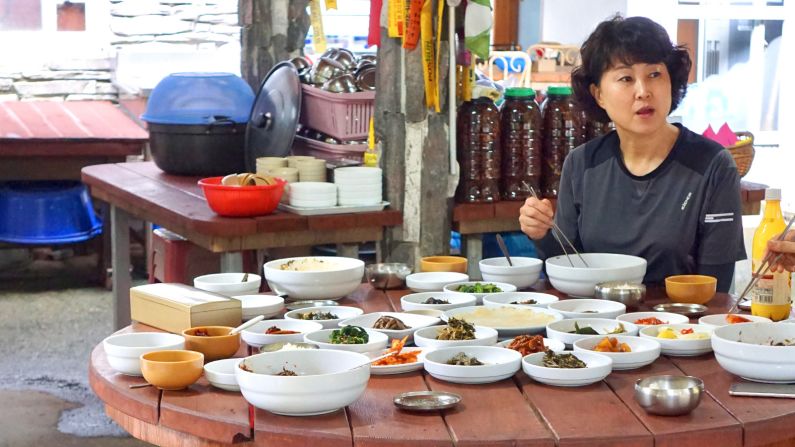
[46, 213]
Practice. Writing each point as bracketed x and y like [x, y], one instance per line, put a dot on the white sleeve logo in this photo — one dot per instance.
[720, 217]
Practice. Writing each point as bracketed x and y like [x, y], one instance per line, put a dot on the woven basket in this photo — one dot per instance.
[743, 152]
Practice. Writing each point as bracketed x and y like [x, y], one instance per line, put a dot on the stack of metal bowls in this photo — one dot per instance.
[338, 70]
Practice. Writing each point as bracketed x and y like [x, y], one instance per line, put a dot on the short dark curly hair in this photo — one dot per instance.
[627, 40]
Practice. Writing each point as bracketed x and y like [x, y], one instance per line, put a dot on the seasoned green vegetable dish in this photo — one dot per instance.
[479, 288]
[349, 335]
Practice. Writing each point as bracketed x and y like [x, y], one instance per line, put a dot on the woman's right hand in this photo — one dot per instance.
[535, 217]
[786, 248]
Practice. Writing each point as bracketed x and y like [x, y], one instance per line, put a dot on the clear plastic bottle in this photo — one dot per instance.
[479, 151]
[771, 296]
[521, 144]
[562, 133]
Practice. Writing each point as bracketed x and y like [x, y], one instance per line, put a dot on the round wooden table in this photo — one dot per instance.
[512, 412]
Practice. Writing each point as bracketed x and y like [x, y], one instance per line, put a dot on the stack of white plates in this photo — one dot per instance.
[267, 164]
[312, 195]
[292, 160]
[358, 185]
[311, 170]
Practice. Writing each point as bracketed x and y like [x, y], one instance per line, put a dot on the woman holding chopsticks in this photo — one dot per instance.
[650, 188]
[786, 248]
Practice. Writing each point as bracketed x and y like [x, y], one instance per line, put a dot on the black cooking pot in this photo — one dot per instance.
[216, 148]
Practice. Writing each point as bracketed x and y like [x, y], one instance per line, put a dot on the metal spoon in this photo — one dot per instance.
[248, 323]
[504, 249]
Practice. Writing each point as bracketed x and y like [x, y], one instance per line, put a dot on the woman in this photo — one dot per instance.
[650, 188]
[786, 249]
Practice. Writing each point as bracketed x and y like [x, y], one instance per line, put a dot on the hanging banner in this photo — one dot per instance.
[395, 13]
[428, 57]
[316, 18]
[439, 24]
[412, 34]
[331, 4]
[374, 29]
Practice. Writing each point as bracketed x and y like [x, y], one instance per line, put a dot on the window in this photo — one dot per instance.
[344, 27]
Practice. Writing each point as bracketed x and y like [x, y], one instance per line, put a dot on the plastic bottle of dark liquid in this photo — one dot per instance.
[595, 129]
[520, 125]
[562, 133]
[478, 144]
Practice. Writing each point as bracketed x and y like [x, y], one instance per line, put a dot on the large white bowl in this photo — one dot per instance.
[326, 381]
[414, 301]
[433, 281]
[588, 308]
[718, 320]
[343, 312]
[598, 367]
[377, 341]
[221, 374]
[255, 335]
[413, 321]
[644, 351]
[124, 350]
[506, 298]
[426, 338]
[523, 273]
[229, 284]
[580, 281]
[503, 286]
[680, 347]
[738, 350]
[500, 363]
[314, 285]
[497, 318]
[667, 317]
[265, 305]
[559, 330]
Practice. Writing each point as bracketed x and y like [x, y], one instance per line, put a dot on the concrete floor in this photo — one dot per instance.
[51, 317]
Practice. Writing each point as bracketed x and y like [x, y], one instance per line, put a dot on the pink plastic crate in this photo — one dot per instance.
[344, 116]
[327, 151]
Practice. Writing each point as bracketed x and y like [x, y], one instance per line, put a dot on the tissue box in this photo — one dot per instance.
[176, 307]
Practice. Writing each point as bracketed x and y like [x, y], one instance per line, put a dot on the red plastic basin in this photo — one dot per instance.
[241, 201]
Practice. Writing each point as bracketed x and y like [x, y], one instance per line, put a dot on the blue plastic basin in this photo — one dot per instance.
[46, 213]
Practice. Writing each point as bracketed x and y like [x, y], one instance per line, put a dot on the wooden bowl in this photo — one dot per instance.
[691, 289]
[172, 370]
[443, 264]
[217, 344]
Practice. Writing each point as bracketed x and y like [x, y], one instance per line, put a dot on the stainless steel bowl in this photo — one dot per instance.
[346, 58]
[326, 69]
[341, 84]
[365, 79]
[669, 395]
[301, 63]
[629, 294]
[387, 276]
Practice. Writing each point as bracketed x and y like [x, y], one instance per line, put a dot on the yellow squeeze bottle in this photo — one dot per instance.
[370, 155]
[771, 294]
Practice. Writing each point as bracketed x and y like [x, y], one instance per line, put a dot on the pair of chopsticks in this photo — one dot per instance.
[767, 261]
[557, 233]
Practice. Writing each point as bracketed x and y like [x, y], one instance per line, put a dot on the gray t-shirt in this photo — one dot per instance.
[685, 213]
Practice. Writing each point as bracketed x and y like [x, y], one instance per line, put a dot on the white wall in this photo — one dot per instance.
[571, 21]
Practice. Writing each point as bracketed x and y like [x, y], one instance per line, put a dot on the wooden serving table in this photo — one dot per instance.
[143, 191]
[512, 412]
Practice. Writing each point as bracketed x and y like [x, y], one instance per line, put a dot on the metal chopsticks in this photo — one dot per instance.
[558, 234]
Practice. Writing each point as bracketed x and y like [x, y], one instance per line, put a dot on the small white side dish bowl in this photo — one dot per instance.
[744, 350]
[433, 281]
[221, 374]
[503, 286]
[426, 338]
[341, 277]
[342, 312]
[644, 351]
[552, 345]
[326, 381]
[255, 335]
[506, 298]
[581, 281]
[321, 338]
[718, 320]
[415, 301]
[680, 347]
[509, 321]
[559, 330]
[124, 350]
[598, 367]
[413, 322]
[266, 305]
[229, 284]
[397, 369]
[588, 308]
[499, 363]
[523, 273]
[667, 317]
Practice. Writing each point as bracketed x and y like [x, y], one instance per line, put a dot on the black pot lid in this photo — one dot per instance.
[274, 115]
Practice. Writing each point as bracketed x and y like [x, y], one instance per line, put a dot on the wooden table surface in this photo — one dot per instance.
[512, 412]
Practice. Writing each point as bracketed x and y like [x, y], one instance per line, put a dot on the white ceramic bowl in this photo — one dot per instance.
[343, 312]
[588, 308]
[644, 351]
[598, 367]
[124, 350]
[266, 305]
[387, 370]
[552, 345]
[310, 189]
[433, 281]
[426, 338]
[580, 281]
[739, 350]
[413, 322]
[255, 335]
[559, 330]
[680, 347]
[229, 284]
[357, 172]
[667, 317]
[506, 298]
[221, 374]
[499, 363]
[377, 341]
[522, 274]
[414, 301]
[718, 320]
[323, 203]
[337, 282]
[504, 287]
[326, 381]
[508, 321]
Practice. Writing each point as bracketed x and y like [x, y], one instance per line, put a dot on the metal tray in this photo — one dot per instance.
[426, 400]
[332, 209]
[689, 310]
